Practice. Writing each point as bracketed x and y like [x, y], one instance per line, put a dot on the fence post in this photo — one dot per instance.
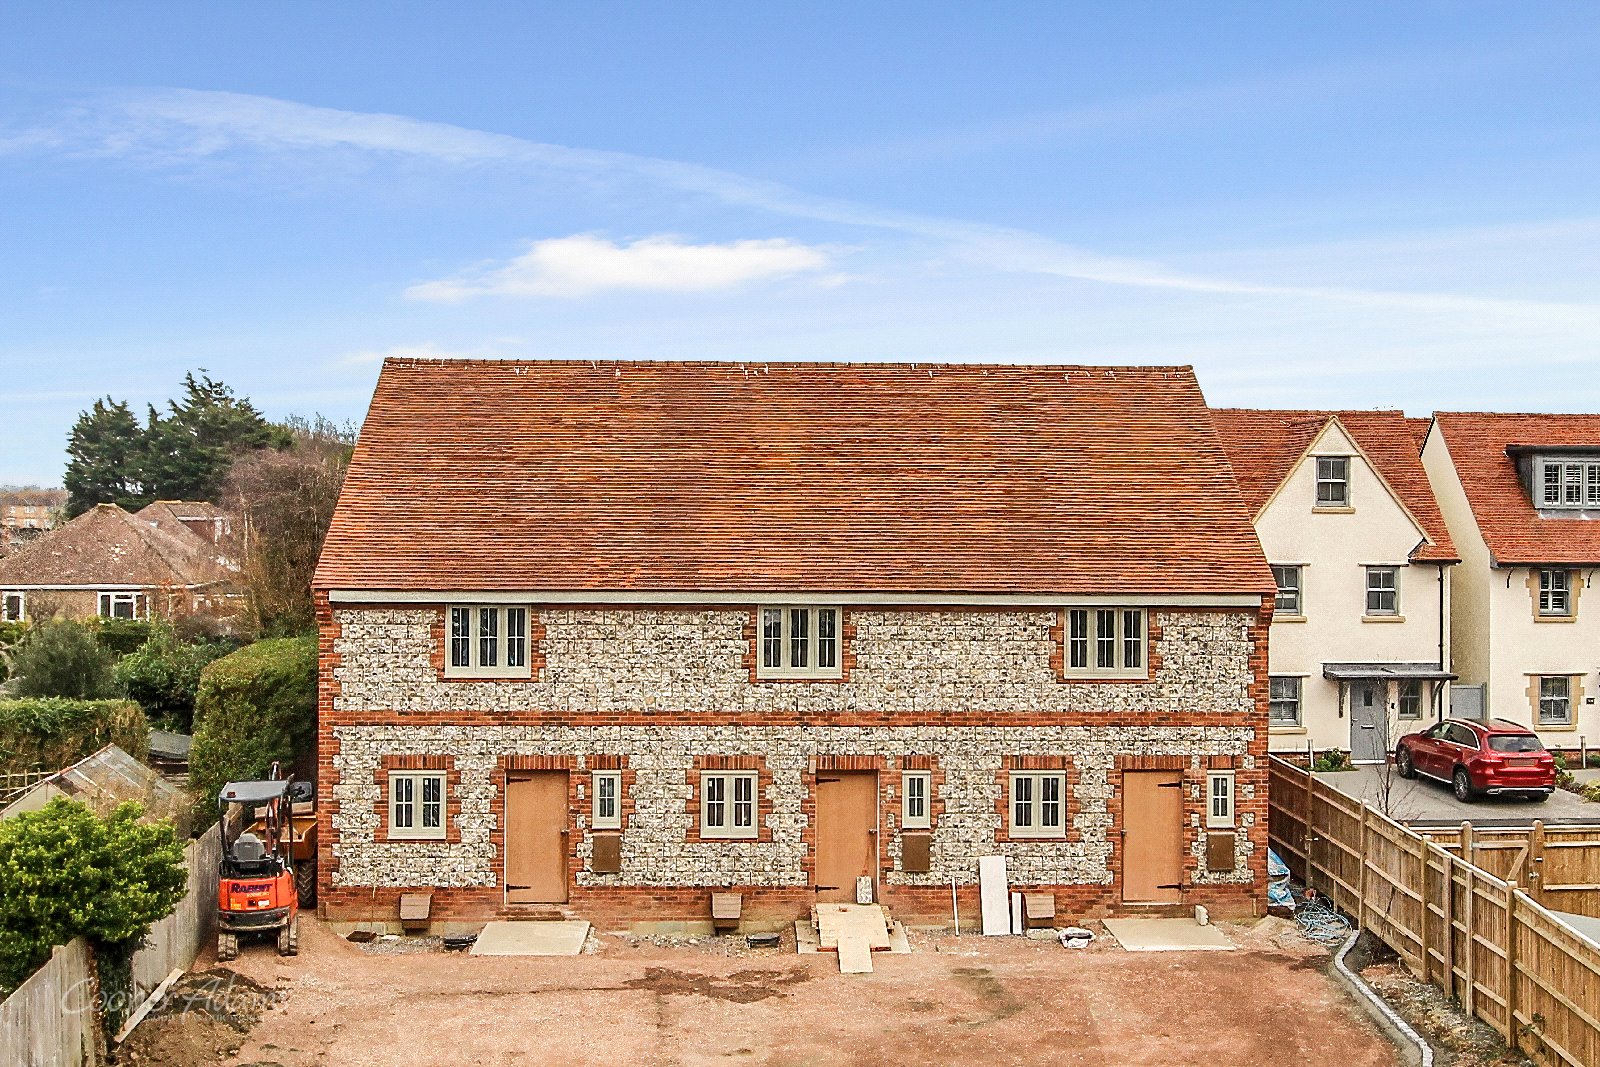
[1536, 860]
[1427, 909]
[1469, 943]
[1511, 968]
[1449, 909]
[1361, 883]
[1467, 845]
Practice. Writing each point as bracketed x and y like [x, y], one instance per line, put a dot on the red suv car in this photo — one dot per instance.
[1492, 756]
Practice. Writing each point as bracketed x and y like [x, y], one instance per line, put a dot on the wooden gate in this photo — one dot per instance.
[847, 833]
[536, 838]
[1152, 837]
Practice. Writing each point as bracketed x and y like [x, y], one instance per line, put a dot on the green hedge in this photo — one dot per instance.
[53, 732]
[257, 705]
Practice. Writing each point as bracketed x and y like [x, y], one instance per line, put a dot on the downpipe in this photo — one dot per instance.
[1424, 1049]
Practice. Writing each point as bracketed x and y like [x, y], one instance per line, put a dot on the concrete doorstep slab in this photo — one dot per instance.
[1167, 935]
[563, 938]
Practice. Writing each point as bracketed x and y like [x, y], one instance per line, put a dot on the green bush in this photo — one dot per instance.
[254, 706]
[1332, 760]
[10, 634]
[61, 659]
[163, 675]
[122, 636]
[69, 872]
[52, 732]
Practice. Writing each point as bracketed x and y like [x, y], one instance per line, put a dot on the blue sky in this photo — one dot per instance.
[1316, 205]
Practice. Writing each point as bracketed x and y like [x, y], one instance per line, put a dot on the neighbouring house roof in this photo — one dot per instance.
[561, 475]
[106, 546]
[1480, 445]
[108, 778]
[1265, 446]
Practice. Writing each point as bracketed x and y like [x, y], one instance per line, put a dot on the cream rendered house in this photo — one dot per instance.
[1360, 644]
[1521, 495]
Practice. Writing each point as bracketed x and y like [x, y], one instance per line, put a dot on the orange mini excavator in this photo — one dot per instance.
[264, 838]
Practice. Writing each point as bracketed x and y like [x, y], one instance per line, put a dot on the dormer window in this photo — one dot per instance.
[1333, 481]
[1568, 482]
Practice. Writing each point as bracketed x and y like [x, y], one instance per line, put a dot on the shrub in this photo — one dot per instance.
[122, 636]
[10, 634]
[61, 659]
[52, 732]
[1332, 760]
[163, 675]
[254, 706]
[67, 872]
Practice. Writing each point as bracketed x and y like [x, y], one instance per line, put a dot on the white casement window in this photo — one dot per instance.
[728, 804]
[124, 605]
[416, 804]
[1284, 700]
[1555, 700]
[1333, 481]
[915, 790]
[13, 606]
[1569, 483]
[605, 800]
[1555, 593]
[1383, 590]
[799, 642]
[1105, 642]
[1219, 800]
[1291, 590]
[1410, 703]
[1038, 804]
[487, 641]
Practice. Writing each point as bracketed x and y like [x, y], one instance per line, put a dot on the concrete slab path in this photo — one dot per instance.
[532, 938]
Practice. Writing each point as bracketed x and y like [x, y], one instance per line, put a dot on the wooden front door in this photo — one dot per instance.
[847, 833]
[1152, 837]
[536, 838]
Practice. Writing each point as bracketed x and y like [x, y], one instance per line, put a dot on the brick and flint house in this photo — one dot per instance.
[615, 635]
[1360, 642]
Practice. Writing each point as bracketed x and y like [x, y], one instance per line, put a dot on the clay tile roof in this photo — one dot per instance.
[1265, 445]
[1510, 524]
[631, 476]
[107, 546]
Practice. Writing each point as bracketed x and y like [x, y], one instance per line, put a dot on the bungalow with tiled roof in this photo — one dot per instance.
[613, 636]
[1360, 647]
[1521, 494]
[116, 565]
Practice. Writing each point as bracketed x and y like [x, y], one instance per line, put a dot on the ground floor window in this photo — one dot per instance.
[1037, 807]
[914, 788]
[728, 804]
[1219, 800]
[1555, 700]
[1411, 698]
[416, 804]
[123, 606]
[1284, 700]
[606, 800]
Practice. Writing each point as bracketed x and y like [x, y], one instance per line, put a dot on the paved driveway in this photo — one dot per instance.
[1428, 803]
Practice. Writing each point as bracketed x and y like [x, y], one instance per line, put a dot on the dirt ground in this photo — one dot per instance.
[954, 1000]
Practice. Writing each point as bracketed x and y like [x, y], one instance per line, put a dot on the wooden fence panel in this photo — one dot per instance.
[175, 941]
[49, 1021]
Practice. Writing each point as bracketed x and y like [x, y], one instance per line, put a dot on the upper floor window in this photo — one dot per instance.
[1106, 641]
[1037, 807]
[1555, 593]
[1383, 590]
[799, 643]
[1284, 700]
[12, 607]
[124, 606]
[1555, 700]
[1290, 600]
[416, 804]
[488, 641]
[1569, 483]
[1333, 481]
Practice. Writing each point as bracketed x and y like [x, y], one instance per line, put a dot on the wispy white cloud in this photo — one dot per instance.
[583, 264]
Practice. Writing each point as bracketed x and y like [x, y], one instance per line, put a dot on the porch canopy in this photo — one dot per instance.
[1363, 672]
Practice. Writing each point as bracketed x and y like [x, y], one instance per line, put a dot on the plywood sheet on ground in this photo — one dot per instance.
[564, 938]
[866, 921]
[855, 956]
[1167, 935]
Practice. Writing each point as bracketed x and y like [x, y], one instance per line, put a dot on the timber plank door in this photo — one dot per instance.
[1152, 837]
[536, 838]
[847, 833]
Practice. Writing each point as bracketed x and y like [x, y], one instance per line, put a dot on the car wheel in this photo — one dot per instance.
[1462, 785]
[1403, 764]
[1539, 797]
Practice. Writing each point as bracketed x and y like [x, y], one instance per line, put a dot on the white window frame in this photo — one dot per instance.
[1555, 597]
[1298, 588]
[1575, 485]
[809, 643]
[1326, 476]
[1085, 636]
[498, 640]
[1562, 699]
[1026, 794]
[408, 790]
[1221, 800]
[724, 793]
[1297, 701]
[1374, 570]
[603, 784]
[916, 800]
[6, 597]
[107, 601]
